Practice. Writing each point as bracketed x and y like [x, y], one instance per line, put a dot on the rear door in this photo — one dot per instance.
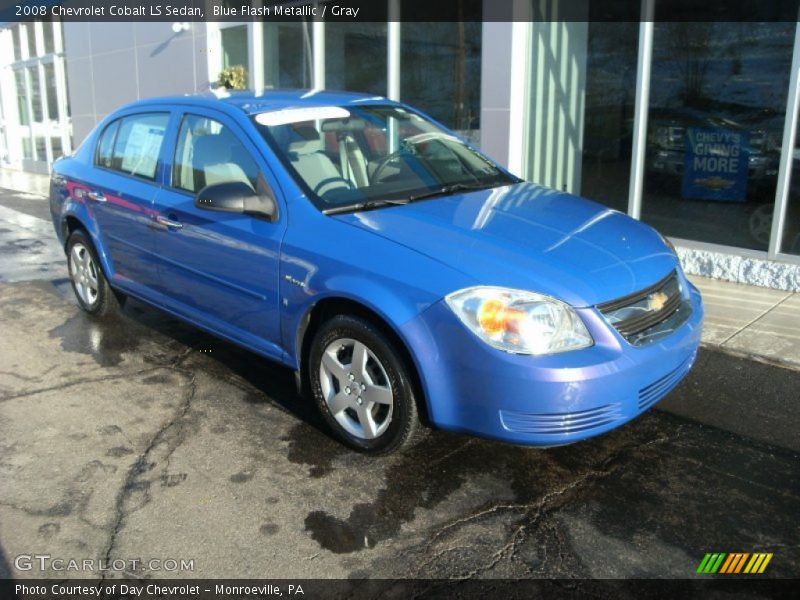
[121, 194]
[219, 269]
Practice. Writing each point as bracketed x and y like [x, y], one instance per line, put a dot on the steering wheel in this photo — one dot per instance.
[330, 180]
[389, 158]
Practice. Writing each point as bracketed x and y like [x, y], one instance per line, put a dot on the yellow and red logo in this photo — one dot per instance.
[734, 562]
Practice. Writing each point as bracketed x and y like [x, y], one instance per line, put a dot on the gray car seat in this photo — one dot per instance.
[313, 165]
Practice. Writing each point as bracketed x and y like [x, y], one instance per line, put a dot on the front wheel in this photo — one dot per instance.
[89, 283]
[362, 387]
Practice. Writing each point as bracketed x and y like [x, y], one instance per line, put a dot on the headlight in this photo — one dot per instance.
[519, 322]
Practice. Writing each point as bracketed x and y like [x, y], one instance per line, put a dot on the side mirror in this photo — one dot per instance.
[238, 197]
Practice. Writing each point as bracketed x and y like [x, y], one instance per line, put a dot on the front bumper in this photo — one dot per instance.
[546, 400]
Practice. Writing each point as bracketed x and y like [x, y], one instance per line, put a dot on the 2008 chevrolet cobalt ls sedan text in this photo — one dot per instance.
[403, 275]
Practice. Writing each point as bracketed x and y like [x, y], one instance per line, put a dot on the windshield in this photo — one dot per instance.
[362, 157]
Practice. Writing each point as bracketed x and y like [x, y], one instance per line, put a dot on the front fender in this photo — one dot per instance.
[393, 309]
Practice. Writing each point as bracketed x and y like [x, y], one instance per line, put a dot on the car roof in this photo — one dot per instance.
[252, 102]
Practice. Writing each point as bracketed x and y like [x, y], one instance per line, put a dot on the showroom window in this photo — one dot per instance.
[718, 95]
[440, 72]
[234, 47]
[287, 55]
[790, 242]
[37, 124]
[355, 57]
[611, 52]
[582, 82]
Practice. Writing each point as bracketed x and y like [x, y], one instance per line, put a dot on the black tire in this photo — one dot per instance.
[403, 428]
[104, 301]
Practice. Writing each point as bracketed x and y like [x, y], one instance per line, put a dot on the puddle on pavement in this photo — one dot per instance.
[106, 340]
[432, 471]
[423, 477]
[313, 448]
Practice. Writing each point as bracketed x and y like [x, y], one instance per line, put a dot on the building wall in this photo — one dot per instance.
[543, 86]
[110, 64]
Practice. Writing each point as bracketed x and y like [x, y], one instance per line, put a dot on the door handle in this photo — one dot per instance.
[96, 196]
[162, 220]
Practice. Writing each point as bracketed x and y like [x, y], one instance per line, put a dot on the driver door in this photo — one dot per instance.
[218, 269]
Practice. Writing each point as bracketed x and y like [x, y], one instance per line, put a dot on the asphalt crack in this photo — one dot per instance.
[532, 514]
[70, 384]
[169, 437]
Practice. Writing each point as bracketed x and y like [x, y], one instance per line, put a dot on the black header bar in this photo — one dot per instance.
[349, 11]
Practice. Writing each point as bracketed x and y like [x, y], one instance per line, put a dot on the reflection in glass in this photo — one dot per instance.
[382, 155]
[355, 57]
[287, 55]
[790, 243]
[36, 94]
[56, 146]
[234, 47]
[47, 33]
[717, 103]
[41, 148]
[27, 148]
[52, 93]
[16, 41]
[611, 56]
[22, 97]
[31, 31]
[441, 72]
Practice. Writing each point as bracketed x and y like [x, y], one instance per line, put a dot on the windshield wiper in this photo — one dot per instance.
[453, 188]
[444, 190]
[368, 205]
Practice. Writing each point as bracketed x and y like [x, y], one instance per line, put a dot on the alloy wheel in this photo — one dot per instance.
[84, 274]
[356, 388]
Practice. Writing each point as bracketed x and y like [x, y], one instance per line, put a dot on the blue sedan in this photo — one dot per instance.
[405, 277]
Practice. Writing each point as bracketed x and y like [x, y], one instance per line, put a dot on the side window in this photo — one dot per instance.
[208, 152]
[138, 144]
[105, 145]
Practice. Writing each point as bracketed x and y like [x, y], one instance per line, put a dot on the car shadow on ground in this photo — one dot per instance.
[168, 339]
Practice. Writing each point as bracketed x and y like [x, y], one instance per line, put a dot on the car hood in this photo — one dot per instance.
[526, 236]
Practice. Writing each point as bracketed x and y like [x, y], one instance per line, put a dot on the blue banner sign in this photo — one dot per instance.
[716, 164]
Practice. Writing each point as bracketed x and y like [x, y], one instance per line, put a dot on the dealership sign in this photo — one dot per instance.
[716, 163]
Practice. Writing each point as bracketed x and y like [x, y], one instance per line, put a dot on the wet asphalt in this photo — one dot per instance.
[141, 437]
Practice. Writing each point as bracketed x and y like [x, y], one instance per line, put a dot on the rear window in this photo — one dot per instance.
[138, 144]
[105, 145]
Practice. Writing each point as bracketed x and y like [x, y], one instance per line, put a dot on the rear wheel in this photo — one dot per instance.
[362, 387]
[90, 285]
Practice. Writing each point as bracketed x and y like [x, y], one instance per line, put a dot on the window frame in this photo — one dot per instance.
[115, 123]
[120, 119]
[183, 115]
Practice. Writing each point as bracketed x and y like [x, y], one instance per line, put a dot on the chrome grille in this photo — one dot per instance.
[634, 315]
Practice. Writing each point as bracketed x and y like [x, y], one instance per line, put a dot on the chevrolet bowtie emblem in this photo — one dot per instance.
[655, 302]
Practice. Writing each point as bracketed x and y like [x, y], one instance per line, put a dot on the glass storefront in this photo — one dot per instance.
[717, 109]
[234, 47]
[440, 62]
[287, 55]
[712, 147]
[611, 51]
[355, 57]
[37, 127]
[790, 243]
[441, 72]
